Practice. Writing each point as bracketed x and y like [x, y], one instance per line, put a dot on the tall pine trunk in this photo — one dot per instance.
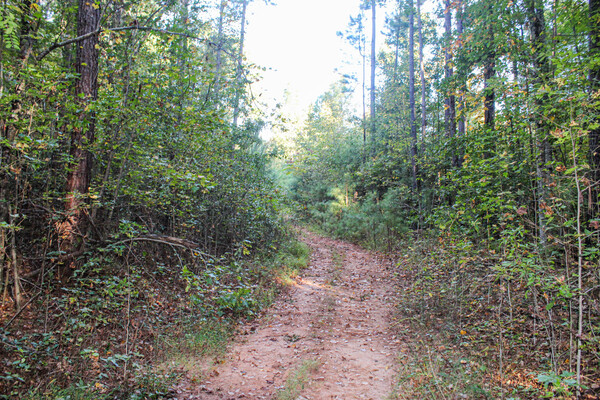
[82, 136]
[396, 84]
[373, 68]
[422, 73]
[540, 72]
[489, 73]
[462, 80]
[411, 95]
[450, 103]
[363, 53]
[594, 77]
[240, 67]
[219, 61]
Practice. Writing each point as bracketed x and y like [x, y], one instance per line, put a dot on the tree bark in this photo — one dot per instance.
[411, 95]
[82, 136]
[218, 66]
[240, 67]
[462, 83]
[594, 77]
[540, 72]
[373, 69]
[450, 103]
[363, 53]
[489, 72]
[422, 72]
[19, 299]
[26, 37]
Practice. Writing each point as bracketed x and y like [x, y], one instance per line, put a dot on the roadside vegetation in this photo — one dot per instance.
[475, 166]
[132, 331]
[139, 221]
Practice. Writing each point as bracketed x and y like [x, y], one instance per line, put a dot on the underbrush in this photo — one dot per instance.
[491, 312]
[292, 257]
[474, 331]
[373, 223]
[124, 324]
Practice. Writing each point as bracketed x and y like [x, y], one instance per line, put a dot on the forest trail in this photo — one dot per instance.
[328, 337]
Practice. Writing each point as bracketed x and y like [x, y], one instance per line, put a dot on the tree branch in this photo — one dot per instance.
[21, 309]
[170, 240]
[118, 29]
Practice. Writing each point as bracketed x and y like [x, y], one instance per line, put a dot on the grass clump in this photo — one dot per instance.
[204, 338]
[291, 257]
[293, 254]
[297, 380]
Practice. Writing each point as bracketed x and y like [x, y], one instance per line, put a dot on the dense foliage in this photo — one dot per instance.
[485, 136]
[132, 181]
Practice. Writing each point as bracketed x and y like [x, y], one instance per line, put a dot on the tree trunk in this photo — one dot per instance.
[240, 67]
[363, 53]
[422, 72]
[373, 68]
[540, 72]
[489, 72]
[26, 37]
[82, 136]
[3, 258]
[219, 49]
[450, 103]
[594, 77]
[18, 295]
[411, 96]
[396, 80]
[462, 83]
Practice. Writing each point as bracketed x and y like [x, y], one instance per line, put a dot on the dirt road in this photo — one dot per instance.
[329, 337]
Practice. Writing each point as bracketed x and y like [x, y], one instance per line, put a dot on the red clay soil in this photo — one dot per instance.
[336, 317]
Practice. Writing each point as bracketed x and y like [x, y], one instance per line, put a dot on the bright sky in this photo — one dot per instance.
[297, 40]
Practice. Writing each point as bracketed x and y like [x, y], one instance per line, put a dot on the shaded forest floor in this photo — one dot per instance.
[329, 336]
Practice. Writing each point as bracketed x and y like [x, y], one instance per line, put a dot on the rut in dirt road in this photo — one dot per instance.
[332, 329]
